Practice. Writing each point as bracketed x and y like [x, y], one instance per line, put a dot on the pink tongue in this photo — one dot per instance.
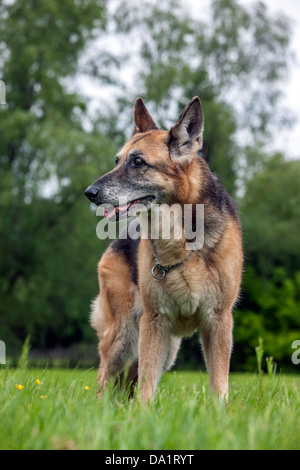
[109, 213]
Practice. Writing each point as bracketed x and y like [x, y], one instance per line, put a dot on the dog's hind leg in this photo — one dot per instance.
[173, 348]
[115, 353]
[115, 317]
[128, 379]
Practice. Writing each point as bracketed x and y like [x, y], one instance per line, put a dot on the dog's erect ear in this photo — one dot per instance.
[186, 135]
[143, 122]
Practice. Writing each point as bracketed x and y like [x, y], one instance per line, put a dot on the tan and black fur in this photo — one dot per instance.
[141, 320]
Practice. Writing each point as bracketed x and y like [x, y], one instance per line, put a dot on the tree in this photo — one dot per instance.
[48, 255]
[269, 306]
[269, 310]
[270, 214]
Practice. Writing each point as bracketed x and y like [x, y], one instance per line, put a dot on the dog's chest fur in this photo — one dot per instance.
[189, 297]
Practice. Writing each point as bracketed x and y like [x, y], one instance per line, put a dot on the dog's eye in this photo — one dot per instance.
[138, 161]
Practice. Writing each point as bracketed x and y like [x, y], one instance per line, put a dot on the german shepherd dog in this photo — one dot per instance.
[154, 291]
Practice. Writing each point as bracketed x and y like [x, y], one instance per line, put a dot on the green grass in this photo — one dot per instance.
[263, 413]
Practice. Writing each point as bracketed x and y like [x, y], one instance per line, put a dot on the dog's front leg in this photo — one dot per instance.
[153, 350]
[217, 344]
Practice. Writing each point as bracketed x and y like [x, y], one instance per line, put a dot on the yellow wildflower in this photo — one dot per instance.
[38, 381]
[19, 386]
[43, 397]
[86, 388]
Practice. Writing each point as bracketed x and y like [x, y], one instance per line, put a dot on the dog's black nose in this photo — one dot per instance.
[91, 193]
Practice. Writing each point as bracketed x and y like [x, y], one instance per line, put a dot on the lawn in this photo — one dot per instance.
[62, 412]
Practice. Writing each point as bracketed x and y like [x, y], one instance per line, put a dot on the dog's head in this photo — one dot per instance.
[154, 166]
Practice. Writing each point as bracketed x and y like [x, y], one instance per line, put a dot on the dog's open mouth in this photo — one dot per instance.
[130, 208]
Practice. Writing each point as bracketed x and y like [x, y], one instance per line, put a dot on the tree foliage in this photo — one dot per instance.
[46, 161]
